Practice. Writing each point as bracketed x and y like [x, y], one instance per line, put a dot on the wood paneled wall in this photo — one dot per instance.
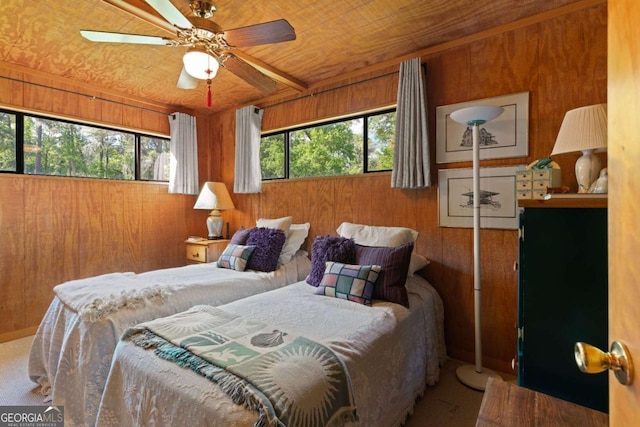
[56, 229]
[560, 61]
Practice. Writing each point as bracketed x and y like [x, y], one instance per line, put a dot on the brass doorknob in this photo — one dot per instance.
[592, 360]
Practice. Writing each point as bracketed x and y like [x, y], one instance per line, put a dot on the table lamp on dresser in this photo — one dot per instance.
[584, 129]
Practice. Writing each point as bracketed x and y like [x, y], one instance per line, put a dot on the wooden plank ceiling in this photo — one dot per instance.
[333, 38]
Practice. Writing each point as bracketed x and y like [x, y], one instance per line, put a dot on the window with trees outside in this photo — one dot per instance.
[348, 146]
[38, 145]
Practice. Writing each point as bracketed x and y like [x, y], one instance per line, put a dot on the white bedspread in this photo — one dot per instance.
[390, 352]
[72, 349]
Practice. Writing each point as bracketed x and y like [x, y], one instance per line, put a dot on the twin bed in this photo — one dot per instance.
[389, 351]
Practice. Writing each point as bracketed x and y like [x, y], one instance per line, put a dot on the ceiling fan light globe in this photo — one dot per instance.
[200, 64]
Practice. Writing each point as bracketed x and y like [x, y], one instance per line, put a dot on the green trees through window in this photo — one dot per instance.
[44, 146]
[7, 142]
[55, 147]
[346, 147]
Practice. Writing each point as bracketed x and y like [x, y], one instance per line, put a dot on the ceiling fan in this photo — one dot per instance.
[209, 47]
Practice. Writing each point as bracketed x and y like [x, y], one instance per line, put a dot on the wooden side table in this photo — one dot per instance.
[507, 405]
[203, 250]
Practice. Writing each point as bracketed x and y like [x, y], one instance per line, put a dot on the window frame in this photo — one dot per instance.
[20, 138]
[365, 140]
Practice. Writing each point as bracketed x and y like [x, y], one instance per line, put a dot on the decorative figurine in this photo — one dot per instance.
[600, 185]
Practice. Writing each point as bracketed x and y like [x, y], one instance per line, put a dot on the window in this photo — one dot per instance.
[155, 154]
[7, 142]
[272, 156]
[348, 146]
[38, 145]
[381, 132]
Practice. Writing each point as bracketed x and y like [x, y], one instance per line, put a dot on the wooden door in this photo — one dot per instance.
[624, 200]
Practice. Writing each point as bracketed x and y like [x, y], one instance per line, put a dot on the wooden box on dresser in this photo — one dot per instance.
[562, 296]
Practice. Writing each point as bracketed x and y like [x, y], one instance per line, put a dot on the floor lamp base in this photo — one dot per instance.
[477, 380]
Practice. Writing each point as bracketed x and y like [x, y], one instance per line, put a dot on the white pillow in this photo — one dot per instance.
[297, 234]
[283, 223]
[418, 262]
[369, 235]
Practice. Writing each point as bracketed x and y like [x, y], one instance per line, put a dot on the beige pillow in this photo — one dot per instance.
[369, 235]
[418, 262]
[283, 223]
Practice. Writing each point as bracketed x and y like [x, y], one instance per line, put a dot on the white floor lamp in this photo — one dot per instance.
[476, 376]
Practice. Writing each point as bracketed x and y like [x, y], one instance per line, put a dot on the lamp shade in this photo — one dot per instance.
[476, 115]
[214, 195]
[200, 64]
[583, 128]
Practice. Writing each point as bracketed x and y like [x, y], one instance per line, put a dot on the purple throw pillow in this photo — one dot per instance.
[329, 248]
[268, 243]
[240, 237]
[395, 266]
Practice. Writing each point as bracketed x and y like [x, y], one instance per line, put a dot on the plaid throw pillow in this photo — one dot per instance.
[329, 248]
[235, 257]
[347, 281]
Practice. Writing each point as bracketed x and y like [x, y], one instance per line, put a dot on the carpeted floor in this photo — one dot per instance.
[15, 386]
[447, 404]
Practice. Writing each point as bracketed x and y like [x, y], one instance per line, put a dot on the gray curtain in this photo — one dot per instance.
[183, 174]
[411, 165]
[248, 176]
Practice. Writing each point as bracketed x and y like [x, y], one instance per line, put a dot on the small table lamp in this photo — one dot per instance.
[584, 129]
[214, 196]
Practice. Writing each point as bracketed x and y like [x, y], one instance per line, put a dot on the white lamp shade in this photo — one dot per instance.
[582, 129]
[214, 195]
[476, 115]
[200, 64]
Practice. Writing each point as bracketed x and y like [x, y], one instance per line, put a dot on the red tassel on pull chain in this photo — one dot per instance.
[208, 93]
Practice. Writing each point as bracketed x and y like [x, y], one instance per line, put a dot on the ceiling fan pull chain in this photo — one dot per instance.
[209, 93]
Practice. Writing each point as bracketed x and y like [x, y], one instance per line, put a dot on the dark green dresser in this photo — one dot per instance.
[562, 297]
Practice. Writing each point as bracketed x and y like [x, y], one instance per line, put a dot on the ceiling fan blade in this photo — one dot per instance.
[269, 71]
[170, 13]
[186, 81]
[103, 36]
[141, 10]
[249, 74]
[253, 35]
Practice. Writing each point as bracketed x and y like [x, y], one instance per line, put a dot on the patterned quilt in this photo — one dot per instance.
[290, 380]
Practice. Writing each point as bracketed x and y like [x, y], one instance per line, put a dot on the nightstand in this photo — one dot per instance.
[203, 250]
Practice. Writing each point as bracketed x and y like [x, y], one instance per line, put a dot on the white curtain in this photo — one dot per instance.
[248, 176]
[183, 176]
[162, 167]
[411, 165]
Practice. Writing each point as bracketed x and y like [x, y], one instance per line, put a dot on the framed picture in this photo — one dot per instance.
[503, 137]
[498, 201]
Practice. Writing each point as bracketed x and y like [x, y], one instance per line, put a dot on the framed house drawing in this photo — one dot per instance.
[498, 201]
[503, 137]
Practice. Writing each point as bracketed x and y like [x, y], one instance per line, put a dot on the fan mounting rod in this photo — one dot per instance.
[202, 9]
